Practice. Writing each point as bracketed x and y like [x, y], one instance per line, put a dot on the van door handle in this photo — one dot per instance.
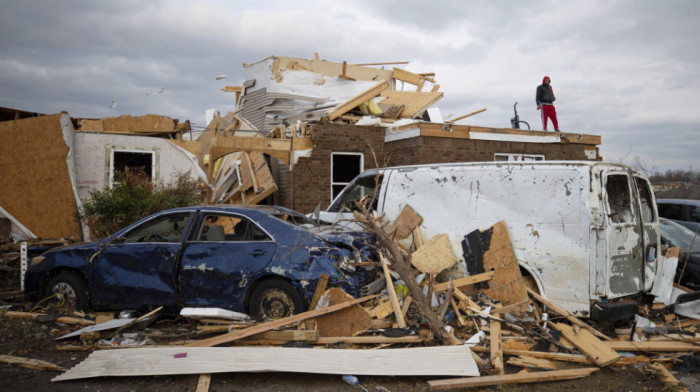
[258, 253]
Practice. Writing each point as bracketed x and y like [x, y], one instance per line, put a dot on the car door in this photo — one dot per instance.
[623, 236]
[222, 259]
[649, 222]
[137, 269]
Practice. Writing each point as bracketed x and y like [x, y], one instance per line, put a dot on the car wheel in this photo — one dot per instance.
[70, 288]
[275, 298]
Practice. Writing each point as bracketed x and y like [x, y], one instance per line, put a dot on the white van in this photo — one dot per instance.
[586, 232]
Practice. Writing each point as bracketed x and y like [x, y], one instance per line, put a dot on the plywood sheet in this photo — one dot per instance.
[35, 184]
[332, 69]
[435, 255]
[421, 361]
[347, 322]
[415, 103]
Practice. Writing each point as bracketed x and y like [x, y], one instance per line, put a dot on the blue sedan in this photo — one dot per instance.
[255, 259]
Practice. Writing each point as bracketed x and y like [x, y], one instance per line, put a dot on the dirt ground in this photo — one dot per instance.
[34, 339]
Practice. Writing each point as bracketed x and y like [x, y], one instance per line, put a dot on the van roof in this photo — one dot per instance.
[528, 163]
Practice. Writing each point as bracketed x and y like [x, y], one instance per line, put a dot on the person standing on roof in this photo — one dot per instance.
[545, 102]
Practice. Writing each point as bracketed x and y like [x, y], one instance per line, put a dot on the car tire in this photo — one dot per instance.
[274, 299]
[71, 287]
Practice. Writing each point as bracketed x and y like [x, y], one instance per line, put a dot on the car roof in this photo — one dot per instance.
[232, 208]
[688, 202]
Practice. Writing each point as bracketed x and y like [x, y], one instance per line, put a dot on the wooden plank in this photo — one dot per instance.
[30, 363]
[532, 362]
[320, 289]
[203, 383]
[519, 378]
[358, 99]
[392, 293]
[588, 344]
[464, 116]
[466, 281]
[44, 317]
[654, 345]
[408, 76]
[575, 358]
[418, 361]
[382, 310]
[370, 340]
[496, 349]
[573, 320]
[275, 324]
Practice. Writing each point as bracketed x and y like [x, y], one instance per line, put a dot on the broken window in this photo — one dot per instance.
[230, 228]
[166, 228]
[136, 161]
[364, 186]
[345, 166]
[619, 199]
[645, 199]
[504, 157]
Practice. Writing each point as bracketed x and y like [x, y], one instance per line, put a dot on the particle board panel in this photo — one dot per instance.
[421, 361]
[35, 183]
[347, 322]
[435, 255]
[126, 124]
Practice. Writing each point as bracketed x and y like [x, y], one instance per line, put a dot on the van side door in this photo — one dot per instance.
[650, 228]
[623, 235]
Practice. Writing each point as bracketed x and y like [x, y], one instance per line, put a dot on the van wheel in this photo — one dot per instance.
[275, 299]
[70, 289]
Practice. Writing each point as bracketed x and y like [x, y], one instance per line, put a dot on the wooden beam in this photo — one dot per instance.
[496, 349]
[518, 378]
[463, 282]
[232, 89]
[465, 116]
[588, 344]
[573, 320]
[386, 63]
[392, 293]
[358, 99]
[44, 317]
[540, 354]
[203, 383]
[654, 345]
[370, 340]
[669, 378]
[275, 324]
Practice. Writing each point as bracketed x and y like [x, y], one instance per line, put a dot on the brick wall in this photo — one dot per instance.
[311, 177]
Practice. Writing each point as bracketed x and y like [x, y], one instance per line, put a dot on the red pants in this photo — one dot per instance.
[548, 111]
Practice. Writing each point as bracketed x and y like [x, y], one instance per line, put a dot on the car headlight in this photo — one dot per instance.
[36, 260]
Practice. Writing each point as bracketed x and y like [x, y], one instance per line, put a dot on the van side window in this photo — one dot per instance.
[671, 211]
[619, 199]
[363, 186]
[645, 200]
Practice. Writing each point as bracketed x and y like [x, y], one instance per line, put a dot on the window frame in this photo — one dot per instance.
[114, 149]
[345, 184]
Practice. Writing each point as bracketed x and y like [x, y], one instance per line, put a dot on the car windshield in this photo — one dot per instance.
[294, 218]
[679, 236]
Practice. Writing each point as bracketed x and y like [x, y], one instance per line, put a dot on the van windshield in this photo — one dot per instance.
[361, 187]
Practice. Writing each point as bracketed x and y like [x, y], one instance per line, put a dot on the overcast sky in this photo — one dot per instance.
[625, 70]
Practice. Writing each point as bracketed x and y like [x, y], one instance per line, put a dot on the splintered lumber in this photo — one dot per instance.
[358, 99]
[382, 310]
[654, 345]
[496, 349]
[534, 363]
[463, 282]
[44, 317]
[576, 358]
[669, 378]
[588, 344]
[573, 320]
[346, 322]
[464, 116]
[231, 336]
[434, 256]
[30, 363]
[492, 250]
[404, 224]
[519, 378]
[415, 103]
[419, 361]
[320, 289]
[392, 293]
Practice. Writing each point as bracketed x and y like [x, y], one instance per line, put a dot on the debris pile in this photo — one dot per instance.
[487, 328]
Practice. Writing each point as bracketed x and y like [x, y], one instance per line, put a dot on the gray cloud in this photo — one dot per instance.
[625, 70]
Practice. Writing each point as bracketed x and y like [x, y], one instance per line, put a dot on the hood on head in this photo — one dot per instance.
[545, 79]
